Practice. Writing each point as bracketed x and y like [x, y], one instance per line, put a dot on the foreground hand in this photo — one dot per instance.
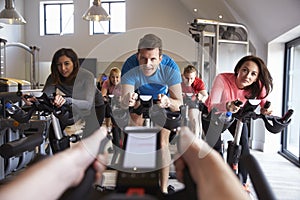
[100, 166]
[191, 150]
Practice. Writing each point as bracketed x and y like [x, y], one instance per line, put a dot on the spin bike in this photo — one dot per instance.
[59, 119]
[195, 109]
[273, 124]
[20, 143]
[115, 112]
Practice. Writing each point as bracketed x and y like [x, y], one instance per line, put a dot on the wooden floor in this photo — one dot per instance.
[282, 175]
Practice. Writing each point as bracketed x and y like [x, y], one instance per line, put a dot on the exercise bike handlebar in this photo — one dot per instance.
[192, 101]
[42, 104]
[273, 124]
[160, 116]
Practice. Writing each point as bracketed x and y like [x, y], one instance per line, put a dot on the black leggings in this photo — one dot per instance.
[243, 142]
[245, 148]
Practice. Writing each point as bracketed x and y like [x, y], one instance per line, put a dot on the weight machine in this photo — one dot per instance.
[219, 46]
[34, 62]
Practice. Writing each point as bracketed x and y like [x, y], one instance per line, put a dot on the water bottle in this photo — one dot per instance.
[225, 117]
[18, 113]
[11, 108]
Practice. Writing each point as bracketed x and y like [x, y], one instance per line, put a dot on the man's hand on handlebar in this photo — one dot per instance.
[130, 99]
[163, 101]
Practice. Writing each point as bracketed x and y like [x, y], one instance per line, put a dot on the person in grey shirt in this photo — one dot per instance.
[73, 85]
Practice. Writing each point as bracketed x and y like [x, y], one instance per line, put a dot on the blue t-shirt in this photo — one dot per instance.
[133, 62]
[158, 83]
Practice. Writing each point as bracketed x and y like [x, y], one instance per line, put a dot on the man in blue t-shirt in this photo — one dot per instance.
[150, 73]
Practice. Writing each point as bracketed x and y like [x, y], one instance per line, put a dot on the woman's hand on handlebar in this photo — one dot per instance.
[59, 101]
[266, 111]
[68, 165]
[86, 152]
[233, 106]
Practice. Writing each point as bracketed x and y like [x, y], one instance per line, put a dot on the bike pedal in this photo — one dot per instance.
[171, 189]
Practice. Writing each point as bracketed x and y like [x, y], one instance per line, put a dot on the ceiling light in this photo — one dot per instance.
[96, 13]
[9, 15]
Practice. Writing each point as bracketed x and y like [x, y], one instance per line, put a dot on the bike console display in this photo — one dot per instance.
[138, 172]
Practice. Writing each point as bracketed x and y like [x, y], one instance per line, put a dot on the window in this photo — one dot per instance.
[117, 24]
[57, 17]
[291, 136]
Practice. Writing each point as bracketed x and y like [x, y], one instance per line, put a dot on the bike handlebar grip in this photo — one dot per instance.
[16, 147]
[83, 189]
[267, 104]
[287, 115]
[260, 183]
[237, 103]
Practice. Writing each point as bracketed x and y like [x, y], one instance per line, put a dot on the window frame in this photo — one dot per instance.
[44, 10]
[285, 150]
[109, 2]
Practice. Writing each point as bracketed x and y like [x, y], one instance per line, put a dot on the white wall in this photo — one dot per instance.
[262, 139]
[259, 44]
[151, 15]
[143, 16]
[276, 66]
